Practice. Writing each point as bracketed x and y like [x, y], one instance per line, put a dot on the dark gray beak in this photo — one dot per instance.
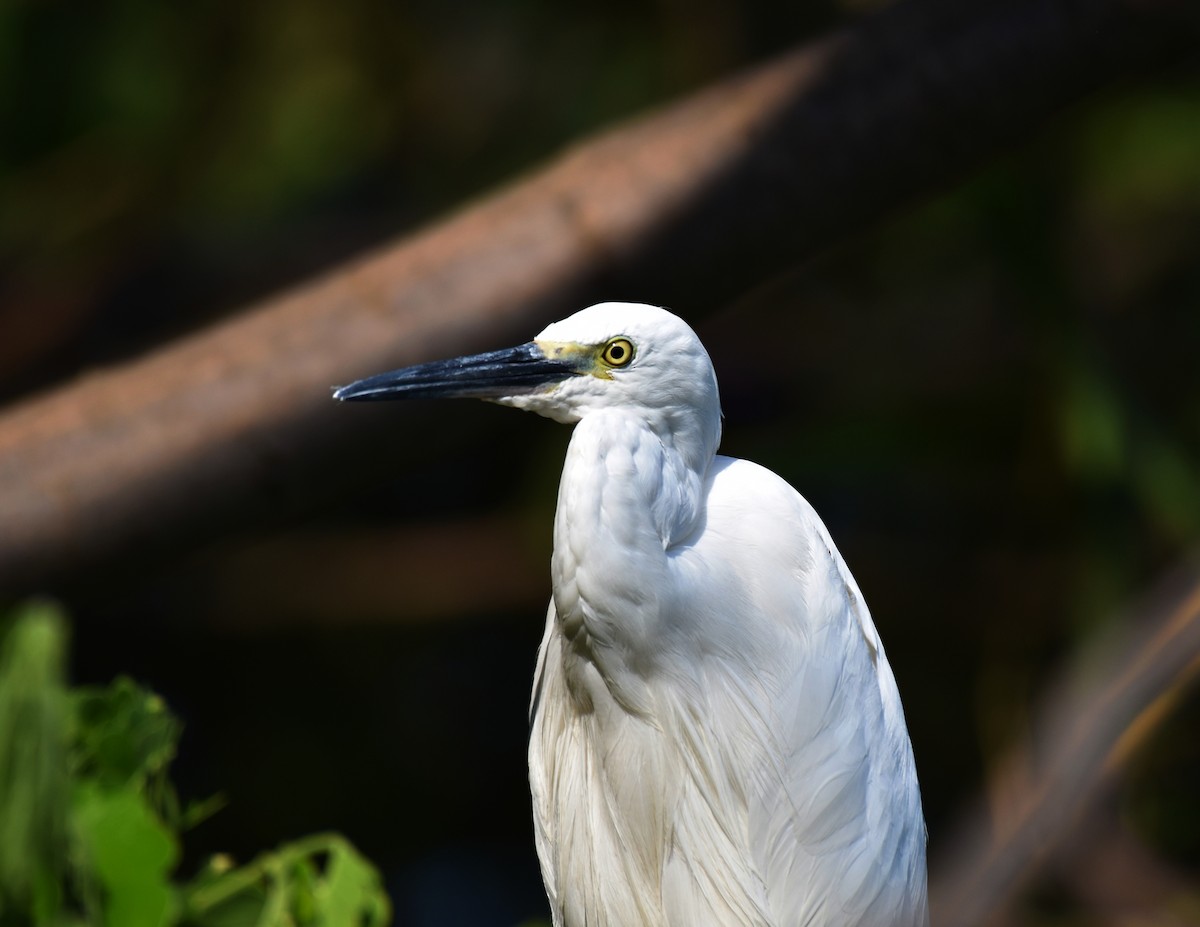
[492, 375]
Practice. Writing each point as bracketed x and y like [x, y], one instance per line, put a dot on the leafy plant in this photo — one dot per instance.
[90, 824]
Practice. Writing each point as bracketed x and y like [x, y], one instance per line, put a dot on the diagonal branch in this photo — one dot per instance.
[1103, 708]
[685, 207]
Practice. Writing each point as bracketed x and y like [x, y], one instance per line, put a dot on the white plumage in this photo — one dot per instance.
[717, 736]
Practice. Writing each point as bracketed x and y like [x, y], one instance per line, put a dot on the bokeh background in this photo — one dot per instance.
[992, 398]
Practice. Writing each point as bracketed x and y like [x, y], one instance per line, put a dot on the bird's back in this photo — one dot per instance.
[771, 780]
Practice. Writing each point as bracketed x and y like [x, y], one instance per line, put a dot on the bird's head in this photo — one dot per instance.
[626, 356]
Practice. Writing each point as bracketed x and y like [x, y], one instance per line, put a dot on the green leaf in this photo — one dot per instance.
[350, 891]
[130, 852]
[321, 881]
[33, 777]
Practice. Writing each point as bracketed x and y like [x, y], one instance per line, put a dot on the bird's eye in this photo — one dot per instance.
[618, 352]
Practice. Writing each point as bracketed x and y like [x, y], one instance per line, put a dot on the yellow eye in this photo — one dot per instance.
[617, 353]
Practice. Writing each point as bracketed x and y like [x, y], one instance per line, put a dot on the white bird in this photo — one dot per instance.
[717, 737]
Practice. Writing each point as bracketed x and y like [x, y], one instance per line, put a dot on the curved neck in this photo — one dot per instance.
[625, 499]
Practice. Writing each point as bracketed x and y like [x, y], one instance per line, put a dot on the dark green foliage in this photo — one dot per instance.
[90, 826]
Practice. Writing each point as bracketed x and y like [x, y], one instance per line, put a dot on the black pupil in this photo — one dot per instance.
[617, 352]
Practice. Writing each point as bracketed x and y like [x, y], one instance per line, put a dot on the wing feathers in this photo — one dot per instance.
[776, 785]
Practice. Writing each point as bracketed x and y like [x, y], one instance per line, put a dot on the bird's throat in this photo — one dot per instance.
[626, 498]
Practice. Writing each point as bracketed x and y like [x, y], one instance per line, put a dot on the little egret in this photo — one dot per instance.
[717, 737]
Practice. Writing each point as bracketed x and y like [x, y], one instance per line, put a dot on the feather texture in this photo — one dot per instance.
[738, 754]
[717, 738]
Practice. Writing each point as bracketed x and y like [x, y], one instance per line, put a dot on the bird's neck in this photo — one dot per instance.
[627, 496]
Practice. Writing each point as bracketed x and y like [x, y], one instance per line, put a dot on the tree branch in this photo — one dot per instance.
[1105, 705]
[685, 207]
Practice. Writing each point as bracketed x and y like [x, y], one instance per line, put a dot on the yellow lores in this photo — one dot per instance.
[595, 359]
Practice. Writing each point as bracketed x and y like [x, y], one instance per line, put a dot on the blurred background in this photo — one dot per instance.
[991, 398]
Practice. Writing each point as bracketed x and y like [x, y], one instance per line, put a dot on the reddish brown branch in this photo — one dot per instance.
[685, 207]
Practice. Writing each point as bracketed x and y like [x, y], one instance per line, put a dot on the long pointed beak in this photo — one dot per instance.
[492, 375]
